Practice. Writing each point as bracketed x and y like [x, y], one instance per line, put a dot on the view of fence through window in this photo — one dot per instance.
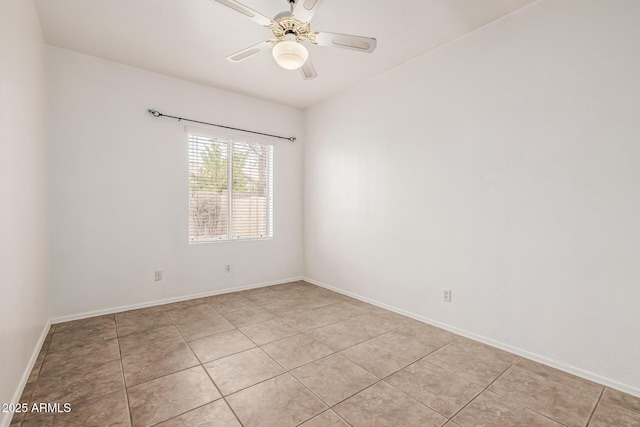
[230, 189]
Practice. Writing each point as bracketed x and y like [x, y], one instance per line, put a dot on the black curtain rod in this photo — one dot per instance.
[156, 113]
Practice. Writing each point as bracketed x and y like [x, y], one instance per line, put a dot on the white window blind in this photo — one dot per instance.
[230, 189]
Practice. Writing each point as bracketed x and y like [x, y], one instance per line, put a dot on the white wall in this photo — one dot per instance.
[119, 200]
[24, 282]
[504, 166]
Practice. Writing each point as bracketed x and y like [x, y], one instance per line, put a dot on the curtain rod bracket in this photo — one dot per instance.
[156, 113]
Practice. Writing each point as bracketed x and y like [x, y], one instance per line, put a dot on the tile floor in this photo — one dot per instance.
[296, 354]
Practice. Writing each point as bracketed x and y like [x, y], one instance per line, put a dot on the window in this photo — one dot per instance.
[230, 189]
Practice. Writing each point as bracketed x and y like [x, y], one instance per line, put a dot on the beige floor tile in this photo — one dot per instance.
[203, 327]
[296, 351]
[438, 389]
[149, 341]
[291, 305]
[326, 419]
[621, 399]
[89, 324]
[340, 335]
[269, 331]
[33, 376]
[378, 357]
[384, 405]
[169, 396]
[25, 398]
[138, 312]
[81, 336]
[229, 306]
[289, 285]
[489, 409]
[215, 414]
[360, 304]
[185, 304]
[285, 293]
[233, 373]
[314, 302]
[281, 401]
[108, 410]
[191, 313]
[608, 414]
[78, 385]
[334, 378]
[37, 366]
[77, 357]
[323, 316]
[377, 323]
[569, 380]
[145, 366]
[249, 316]
[260, 296]
[472, 360]
[142, 321]
[562, 397]
[218, 300]
[417, 339]
[214, 347]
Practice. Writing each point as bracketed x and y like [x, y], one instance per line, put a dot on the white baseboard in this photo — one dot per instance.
[6, 419]
[506, 347]
[94, 313]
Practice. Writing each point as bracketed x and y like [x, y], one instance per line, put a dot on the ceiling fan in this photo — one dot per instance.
[290, 29]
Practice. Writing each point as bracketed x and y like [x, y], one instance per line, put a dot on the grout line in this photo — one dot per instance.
[341, 417]
[395, 372]
[124, 381]
[286, 371]
[596, 406]
[181, 414]
[509, 399]
[626, 408]
[222, 396]
[40, 376]
[325, 411]
[486, 388]
[162, 376]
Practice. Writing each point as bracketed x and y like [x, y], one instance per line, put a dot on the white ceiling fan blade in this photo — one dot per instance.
[346, 41]
[248, 12]
[308, 70]
[305, 9]
[249, 52]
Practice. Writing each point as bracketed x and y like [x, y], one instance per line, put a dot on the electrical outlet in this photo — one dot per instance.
[157, 276]
[446, 295]
[227, 268]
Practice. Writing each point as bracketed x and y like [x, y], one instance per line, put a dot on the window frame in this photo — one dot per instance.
[231, 138]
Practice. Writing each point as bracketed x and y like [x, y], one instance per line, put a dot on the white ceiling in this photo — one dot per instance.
[189, 39]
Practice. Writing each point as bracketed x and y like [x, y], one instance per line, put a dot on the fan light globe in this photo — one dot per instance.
[290, 54]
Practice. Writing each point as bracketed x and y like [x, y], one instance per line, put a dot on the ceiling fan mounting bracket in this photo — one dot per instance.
[288, 24]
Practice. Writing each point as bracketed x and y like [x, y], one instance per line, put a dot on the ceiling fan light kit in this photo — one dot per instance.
[290, 54]
[291, 29]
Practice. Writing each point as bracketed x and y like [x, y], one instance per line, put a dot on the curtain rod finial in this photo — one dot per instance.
[154, 113]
